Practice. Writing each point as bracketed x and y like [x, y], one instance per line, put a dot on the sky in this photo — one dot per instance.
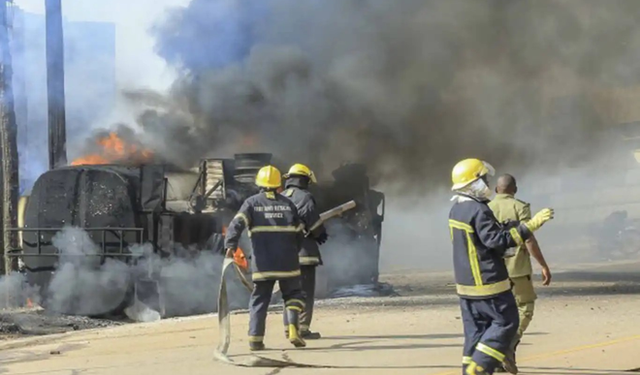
[134, 44]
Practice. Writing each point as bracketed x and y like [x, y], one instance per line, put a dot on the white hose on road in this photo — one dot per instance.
[224, 323]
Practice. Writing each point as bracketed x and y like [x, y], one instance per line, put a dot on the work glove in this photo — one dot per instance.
[538, 219]
[321, 239]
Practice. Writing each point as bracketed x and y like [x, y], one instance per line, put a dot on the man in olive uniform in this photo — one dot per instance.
[488, 308]
[276, 232]
[297, 182]
[507, 208]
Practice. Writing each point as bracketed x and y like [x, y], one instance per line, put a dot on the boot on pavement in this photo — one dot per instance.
[509, 364]
[256, 346]
[293, 333]
[474, 369]
[295, 338]
[308, 335]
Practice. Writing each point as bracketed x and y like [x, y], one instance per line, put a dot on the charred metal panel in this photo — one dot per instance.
[95, 197]
[152, 187]
[165, 233]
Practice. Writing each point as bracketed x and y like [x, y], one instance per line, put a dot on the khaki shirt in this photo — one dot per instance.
[506, 207]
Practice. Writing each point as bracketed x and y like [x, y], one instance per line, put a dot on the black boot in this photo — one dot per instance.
[294, 336]
[308, 335]
[510, 360]
[256, 346]
[510, 364]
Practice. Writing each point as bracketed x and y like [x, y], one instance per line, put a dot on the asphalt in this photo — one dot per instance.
[585, 323]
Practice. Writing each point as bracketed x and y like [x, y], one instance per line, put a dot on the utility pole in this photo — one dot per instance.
[55, 85]
[8, 143]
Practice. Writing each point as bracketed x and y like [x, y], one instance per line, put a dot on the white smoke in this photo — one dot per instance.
[82, 285]
[14, 291]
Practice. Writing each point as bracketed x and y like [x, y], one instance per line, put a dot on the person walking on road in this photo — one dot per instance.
[297, 182]
[506, 208]
[488, 307]
[276, 232]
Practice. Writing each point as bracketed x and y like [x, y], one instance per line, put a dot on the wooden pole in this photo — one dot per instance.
[8, 144]
[55, 85]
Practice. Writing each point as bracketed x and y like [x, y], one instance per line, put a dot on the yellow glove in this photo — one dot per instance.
[538, 219]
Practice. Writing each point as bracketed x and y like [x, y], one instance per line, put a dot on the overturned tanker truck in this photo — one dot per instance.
[174, 214]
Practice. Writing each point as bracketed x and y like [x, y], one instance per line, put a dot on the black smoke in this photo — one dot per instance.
[408, 87]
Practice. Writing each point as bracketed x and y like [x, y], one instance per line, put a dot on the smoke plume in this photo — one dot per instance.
[407, 87]
[82, 285]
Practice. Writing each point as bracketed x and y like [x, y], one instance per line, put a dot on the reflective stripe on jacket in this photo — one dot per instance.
[479, 243]
[306, 205]
[275, 230]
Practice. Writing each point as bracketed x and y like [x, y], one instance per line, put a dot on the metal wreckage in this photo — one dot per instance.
[177, 214]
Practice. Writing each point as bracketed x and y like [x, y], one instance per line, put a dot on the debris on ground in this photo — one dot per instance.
[364, 290]
[37, 322]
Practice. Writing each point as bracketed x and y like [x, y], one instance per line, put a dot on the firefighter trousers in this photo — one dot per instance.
[309, 291]
[259, 303]
[490, 326]
[308, 281]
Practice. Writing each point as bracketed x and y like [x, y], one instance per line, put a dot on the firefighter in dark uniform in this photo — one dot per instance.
[489, 310]
[276, 233]
[297, 182]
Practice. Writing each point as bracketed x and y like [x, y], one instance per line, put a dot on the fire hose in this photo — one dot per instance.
[224, 319]
[224, 323]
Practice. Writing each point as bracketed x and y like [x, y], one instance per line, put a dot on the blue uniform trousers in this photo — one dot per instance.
[259, 303]
[490, 326]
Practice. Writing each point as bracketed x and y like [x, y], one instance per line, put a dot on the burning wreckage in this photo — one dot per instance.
[141, 218]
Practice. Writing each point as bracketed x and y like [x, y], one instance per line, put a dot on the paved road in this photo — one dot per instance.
[592, 330]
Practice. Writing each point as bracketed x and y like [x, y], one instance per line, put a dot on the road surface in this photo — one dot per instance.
[586, 324]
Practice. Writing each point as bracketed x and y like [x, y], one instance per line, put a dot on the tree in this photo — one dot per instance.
[8, 144]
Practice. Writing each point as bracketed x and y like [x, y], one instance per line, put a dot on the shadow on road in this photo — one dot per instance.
[436, 336]
[397, 337]
[358, 346]
[571, 371]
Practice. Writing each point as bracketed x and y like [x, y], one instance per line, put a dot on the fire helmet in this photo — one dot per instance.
[268, 177]
[468, 171]
[301, 170]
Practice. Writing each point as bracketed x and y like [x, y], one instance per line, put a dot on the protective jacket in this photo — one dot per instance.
[506, 208]
[275, 230]
[306, 205]
[479, 243]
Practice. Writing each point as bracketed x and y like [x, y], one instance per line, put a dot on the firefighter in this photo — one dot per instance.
[276, 232]
[489, 310]
[506, 207]
[297, 182]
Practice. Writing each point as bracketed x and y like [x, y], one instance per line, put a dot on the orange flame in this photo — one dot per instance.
[113, 150]
[238, 257]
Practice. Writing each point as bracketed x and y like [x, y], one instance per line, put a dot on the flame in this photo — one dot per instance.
[112, 149]
[238, 257]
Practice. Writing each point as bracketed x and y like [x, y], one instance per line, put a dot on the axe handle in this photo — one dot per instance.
[331, 214]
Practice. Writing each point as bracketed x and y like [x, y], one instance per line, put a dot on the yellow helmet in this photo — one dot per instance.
[301, 170]
[268, 177]
[469, 170]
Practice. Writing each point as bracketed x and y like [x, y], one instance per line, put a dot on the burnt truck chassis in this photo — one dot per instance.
[179, 214]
